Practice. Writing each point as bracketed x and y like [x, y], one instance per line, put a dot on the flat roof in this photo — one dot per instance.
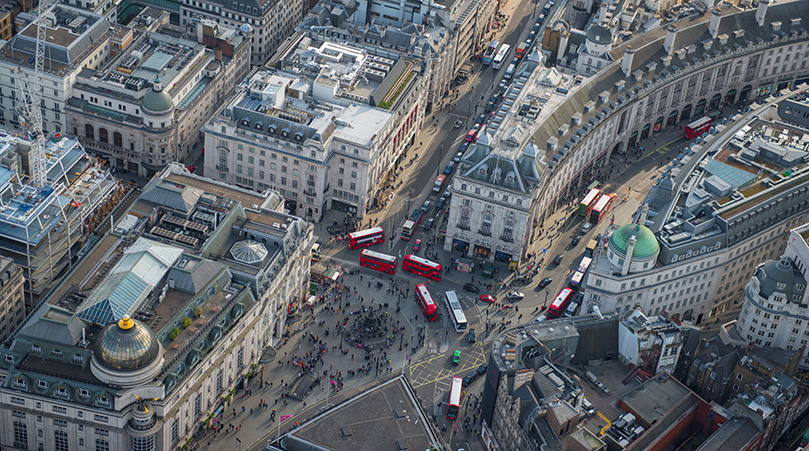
[653, 399]
[387, 417]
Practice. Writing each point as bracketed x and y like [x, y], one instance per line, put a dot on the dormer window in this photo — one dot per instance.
[482, 171]
[42, 385]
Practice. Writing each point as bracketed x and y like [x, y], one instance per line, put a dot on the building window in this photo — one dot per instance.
[198, 405]
[102, 445]
[219, 382]
[175, 430]
[60, 441]
[240, 358]
[20, 435]
[142, 443]
[486, 224]
[464, 221]
[508, 230]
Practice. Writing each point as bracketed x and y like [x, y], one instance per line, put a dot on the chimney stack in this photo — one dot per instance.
[761, 12]
[626, 61]
[668, 44]
[713, 27]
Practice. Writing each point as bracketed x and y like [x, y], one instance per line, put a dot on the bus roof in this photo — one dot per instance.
[366, 232]
[455, 391]
[424, 292]
[603, 201]
[585, 263]
[591, 196]
[561, 297]
[379, 256]
[422, 260]
[699, 122]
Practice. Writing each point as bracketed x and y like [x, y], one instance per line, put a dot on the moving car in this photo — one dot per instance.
[417, 245]
[458, 124]
[486, 298]
[586, 227]
[192, 168]
[469, 378]
[540, 318]
[575, 240]
[545, 282]
[426, 205]
[489, 106]
[472, 288]
[482, 368]
[458, 157]
[558, 259]
[470, 337]
[429, 224]
[571, 309]
[456, 357]
[515, 296]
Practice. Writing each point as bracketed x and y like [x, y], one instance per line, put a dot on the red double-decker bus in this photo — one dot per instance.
[455, 392]
[426, 302]
[365, 238]
[422, 267]
[559, 304]
[601, 208]
[697, 127]
[378, 261]
[586, 205]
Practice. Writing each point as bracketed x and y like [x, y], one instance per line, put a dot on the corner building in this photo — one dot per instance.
[144, 340]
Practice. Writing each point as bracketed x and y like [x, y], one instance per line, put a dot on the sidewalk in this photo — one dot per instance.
[314, 342]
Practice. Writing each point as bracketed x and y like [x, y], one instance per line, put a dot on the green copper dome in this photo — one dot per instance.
[157, 100]
[646, 246]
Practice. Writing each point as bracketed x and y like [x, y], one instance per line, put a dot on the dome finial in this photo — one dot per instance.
[126, 322]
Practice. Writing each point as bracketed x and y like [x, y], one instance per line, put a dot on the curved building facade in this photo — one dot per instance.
[774, 311]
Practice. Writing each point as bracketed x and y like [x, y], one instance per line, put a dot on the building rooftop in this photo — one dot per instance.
[74, 179]
[654, 398]
[72, 34]
[388, 416]
[736, 433]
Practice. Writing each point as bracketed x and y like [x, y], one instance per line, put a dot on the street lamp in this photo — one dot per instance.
[440, 158]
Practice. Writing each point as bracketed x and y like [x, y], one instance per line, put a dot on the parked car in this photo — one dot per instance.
[586, 227]
[558, 259]
[486, 298]
[426, 205]
[416, 246]
[472, 288]
[470, 336]
[515, 296]
[545, 282]
[494, 98]
[429, 224]
[456, 357]
[575, 240]
[448, 169]
[458, 124]
[458, 157]
[469, 378]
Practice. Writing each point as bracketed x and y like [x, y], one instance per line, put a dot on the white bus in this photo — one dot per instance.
[455, 311]
[502, 54]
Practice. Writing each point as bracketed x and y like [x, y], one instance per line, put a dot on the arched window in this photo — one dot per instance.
[88, 132]
[486, 225]
[117, 139]
[102, 135]
[508, 230]
[465, 215]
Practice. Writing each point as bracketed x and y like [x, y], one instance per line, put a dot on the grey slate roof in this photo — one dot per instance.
[194, 281]
[772, 273]
[171, 195]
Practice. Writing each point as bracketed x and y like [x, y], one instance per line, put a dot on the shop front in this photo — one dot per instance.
[458, 245]
[481, 250]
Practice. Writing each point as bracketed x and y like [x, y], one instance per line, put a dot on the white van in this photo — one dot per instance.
[509, 71]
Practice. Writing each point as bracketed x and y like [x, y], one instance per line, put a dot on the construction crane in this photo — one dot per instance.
[30, 108]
